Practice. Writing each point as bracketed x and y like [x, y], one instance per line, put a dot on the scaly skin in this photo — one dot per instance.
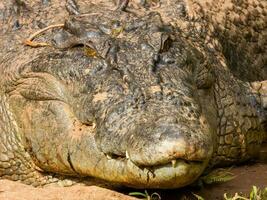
[139, 98]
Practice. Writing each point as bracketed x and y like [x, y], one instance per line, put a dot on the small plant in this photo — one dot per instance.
[198, 197]
[216, 176]
[255, 194]
[146, 196]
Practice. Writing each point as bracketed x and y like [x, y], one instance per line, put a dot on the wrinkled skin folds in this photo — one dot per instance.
[145, 96]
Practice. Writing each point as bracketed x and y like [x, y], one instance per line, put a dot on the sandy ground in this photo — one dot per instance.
[10, 190]
[246, 177]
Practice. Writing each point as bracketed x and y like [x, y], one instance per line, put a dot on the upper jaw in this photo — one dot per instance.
[170, 151]
[167, 143]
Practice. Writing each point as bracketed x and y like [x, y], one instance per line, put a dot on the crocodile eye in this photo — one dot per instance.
[166, 42]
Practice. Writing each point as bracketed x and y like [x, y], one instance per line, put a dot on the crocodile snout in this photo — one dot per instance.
[169, 139]
[168, 142]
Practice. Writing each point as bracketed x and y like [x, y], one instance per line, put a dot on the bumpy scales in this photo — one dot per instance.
[147, 95]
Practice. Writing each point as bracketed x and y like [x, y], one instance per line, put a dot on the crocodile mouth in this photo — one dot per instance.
[165, 156]
[169, 152]
[172, 162]
[169, 176]
[174, 173]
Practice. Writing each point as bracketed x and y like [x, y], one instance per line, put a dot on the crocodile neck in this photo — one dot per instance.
[241, 121]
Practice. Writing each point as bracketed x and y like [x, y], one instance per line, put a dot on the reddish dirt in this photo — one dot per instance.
[246, 177]
[10, 190]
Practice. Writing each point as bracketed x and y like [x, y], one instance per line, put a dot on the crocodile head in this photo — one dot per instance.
[123, 105]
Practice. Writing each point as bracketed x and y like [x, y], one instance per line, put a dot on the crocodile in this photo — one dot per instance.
[145, 94]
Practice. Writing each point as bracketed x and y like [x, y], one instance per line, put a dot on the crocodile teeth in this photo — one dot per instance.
[94, 125]
[108, 157]
[173, 163]
[127, 155]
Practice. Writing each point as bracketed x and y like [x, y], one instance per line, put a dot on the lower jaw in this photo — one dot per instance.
[164, 176]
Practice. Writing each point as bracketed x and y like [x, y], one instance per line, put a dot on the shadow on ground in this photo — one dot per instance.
[246, 177]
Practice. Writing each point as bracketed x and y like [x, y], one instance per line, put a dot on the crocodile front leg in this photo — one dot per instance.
[15, 162]
[259, 88]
